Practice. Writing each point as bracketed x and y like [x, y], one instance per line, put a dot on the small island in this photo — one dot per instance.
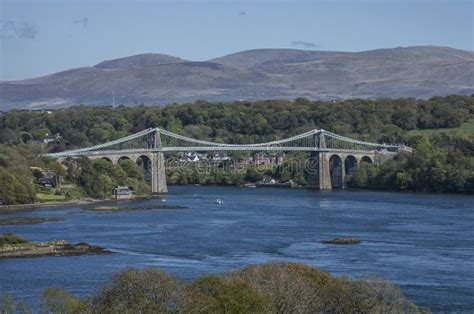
[342, 240]
[12, 246]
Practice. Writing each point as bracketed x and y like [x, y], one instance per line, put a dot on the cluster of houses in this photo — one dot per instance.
[196, 157]
[257, 159]
[50, 179]
[48, 139]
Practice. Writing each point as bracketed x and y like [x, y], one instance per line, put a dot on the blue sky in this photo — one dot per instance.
[41, 37]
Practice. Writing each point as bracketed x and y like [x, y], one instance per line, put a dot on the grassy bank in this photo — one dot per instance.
[465, 129]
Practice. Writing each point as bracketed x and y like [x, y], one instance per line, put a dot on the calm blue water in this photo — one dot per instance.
[425, 243]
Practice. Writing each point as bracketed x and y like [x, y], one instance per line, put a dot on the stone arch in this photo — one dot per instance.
[366, 159]
[145, 163]
[350, 164]
[108, 159]
[121, 158]
[336, 169]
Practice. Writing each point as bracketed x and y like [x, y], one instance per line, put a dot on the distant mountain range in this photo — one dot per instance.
[421, 72]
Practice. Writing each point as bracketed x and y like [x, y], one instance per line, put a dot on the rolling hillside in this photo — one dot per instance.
[421, 72]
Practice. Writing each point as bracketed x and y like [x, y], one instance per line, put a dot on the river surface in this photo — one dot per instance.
[424, 243]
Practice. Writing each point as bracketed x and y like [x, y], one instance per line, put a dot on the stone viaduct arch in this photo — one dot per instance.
[334, 167]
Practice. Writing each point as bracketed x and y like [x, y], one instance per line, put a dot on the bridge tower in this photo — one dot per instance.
[158, 171]
[319, 168]
[324, 167]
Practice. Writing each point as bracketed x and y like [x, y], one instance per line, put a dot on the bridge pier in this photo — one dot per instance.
[158, 171]
[324, 172]
[158, 174]
[321, 180]
[319, 171]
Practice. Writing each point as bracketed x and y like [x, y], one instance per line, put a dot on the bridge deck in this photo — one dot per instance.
[207, 149]
[152, 141]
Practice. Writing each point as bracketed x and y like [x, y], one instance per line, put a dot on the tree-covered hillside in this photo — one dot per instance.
[384, 120]
[440, 162]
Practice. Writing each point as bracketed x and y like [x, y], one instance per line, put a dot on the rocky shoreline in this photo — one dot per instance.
[50, 248]
[27, 220]
[6, 209]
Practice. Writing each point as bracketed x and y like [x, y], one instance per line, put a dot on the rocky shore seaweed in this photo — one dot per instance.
[27, 220]
[13, 246]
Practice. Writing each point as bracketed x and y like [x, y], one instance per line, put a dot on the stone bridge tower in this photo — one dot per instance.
[158, 171]
[318, 166]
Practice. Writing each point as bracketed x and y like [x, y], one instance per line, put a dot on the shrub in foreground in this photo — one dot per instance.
[268, 288]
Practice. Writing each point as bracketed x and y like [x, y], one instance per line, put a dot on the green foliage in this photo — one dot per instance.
[75, 192]
[135, 291]
[215, 294]
[9, 306]
[49, 197]
[244, 122]
[89, 178]
[15, 177]
[383, 120]
[56, 300]
[99, 177]
[441, 163]
[465, 129]
[131, 170]
[10, 238]
[268, 288]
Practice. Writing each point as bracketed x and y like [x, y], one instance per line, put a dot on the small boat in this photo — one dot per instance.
[219, 201]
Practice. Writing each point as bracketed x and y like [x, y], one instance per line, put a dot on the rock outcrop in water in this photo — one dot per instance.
[28, 220]
[12, 246]
[342, 240]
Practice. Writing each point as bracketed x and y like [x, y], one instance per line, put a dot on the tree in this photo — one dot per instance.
[8, 136]
[60, 301]
[131, 169]
[7, 187]
[137, 291]
[214, 294]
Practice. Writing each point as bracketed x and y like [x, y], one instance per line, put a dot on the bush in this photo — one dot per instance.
[59, 301]
[439, 163]
[10, 238]
[137, 291]
[8, 305]
[268, 288]
[216, 294]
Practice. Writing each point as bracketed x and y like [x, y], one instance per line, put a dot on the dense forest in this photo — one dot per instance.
[440, 163]
[382, 120]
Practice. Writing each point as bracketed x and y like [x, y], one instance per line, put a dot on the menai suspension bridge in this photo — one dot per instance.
[333, 155]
